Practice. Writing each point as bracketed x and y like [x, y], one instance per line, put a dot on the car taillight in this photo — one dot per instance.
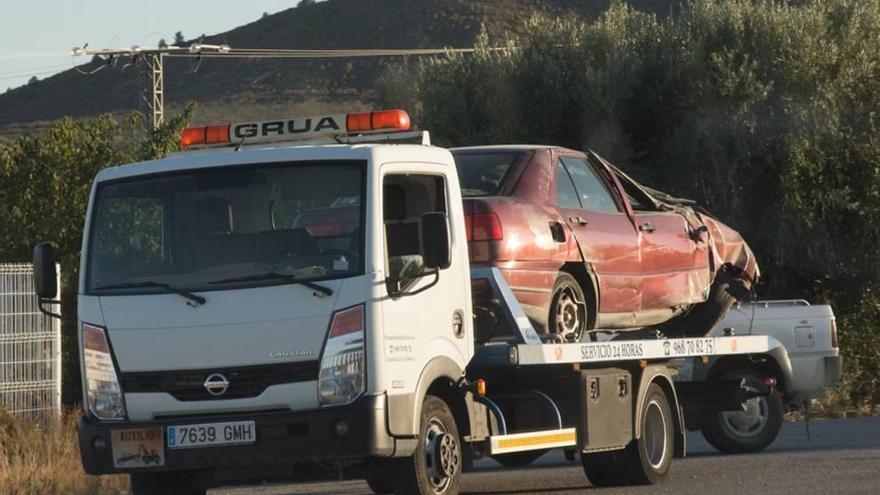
[834, 342]
[483, 227]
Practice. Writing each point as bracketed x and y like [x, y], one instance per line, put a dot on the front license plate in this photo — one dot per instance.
[137, 448]
[210, 434]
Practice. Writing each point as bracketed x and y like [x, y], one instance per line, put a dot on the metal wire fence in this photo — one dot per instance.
[30, 349]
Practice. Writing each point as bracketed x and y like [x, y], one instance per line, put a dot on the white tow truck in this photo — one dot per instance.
[249, 311]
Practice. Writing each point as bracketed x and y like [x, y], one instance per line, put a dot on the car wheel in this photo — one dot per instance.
[176, 483]
[701, 318]
[568, 309]
[749, 430]
[435, 467]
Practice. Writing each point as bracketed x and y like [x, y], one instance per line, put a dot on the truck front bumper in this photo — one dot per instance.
[282, 438]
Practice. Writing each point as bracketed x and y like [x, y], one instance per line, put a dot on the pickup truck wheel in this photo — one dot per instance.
[176, 483]
[435, 467]
[750, 430]
[568, 309]
[645, 460]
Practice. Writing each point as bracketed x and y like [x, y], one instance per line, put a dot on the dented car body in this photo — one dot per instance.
[549, 217]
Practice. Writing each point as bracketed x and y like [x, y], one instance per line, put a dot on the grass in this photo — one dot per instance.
[38, 460]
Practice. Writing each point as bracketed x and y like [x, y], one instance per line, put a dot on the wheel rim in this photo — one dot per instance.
[751, 420]
[655, 434]
[570, 315]
[442, 455]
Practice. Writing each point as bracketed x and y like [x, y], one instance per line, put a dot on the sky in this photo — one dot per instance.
[36, 36]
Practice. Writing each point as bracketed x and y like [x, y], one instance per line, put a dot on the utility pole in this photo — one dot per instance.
[155, 64]
[154, 58]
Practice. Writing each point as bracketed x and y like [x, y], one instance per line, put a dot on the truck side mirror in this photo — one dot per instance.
[435, 240]
[45, 274]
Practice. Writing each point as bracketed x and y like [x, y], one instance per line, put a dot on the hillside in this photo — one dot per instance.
[241, 88]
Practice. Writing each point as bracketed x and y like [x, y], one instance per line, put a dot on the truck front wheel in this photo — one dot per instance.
[176, 483]
[645, 460]
[752, 429]
[435, 467]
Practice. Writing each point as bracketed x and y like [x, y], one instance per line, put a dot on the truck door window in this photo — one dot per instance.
[592, 191]
[406, 198]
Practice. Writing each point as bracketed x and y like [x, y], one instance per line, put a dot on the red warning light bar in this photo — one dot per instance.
[298, 128]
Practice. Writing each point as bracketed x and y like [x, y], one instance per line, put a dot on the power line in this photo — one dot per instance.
[154, 58]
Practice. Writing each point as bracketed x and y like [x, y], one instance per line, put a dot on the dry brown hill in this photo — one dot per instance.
[241, 89]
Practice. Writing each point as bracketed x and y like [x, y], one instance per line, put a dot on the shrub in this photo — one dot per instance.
[765, 112]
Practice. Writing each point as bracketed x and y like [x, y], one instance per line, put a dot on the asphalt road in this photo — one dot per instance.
[843, 457]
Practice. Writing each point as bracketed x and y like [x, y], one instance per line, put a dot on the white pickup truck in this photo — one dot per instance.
[809, 335]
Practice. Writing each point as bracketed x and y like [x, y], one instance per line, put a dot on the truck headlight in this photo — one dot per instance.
[343, 367]
[103, 391]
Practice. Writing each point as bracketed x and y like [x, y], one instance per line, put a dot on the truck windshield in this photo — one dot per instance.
[219, 228]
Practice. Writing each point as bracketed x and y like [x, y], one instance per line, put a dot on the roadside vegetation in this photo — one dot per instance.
[45, 181]
[767, 113]
[38, 460]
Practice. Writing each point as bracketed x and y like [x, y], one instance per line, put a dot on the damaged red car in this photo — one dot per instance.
[586, 248]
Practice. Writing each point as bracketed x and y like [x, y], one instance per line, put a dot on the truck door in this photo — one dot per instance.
[604, 232]
[422, 325]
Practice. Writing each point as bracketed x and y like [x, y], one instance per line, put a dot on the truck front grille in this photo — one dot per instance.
[244, 382]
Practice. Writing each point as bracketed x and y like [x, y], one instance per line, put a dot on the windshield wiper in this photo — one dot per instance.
[275, 275]
[194, 300]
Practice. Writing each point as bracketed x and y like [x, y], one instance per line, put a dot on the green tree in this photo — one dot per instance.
[765, 112]
[45, 182]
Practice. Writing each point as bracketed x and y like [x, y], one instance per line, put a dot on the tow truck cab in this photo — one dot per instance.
[269, 306]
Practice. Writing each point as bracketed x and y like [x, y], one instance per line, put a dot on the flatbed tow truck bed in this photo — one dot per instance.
[594, 413]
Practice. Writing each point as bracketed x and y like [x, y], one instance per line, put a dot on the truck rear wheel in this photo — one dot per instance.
[645, 460]
[176, 483]
[435, 467]
[750, 430]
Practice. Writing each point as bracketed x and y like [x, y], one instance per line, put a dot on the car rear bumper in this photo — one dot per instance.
[282, 438]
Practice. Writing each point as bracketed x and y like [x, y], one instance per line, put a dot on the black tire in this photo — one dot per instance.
[380, 483]
[568, 309]
[435, 467]
[519, 459]
[752, 430]
[646, 460]
[700, 319]
[176, 483]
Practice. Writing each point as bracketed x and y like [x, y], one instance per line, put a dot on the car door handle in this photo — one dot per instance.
[646, 227]
[578, 220]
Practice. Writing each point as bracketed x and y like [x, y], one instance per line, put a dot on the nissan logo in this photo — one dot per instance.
[216, 384]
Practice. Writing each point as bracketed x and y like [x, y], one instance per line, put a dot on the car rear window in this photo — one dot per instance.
[482, 174]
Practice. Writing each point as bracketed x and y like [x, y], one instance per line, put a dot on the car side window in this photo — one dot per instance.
[591, 190]
[566, 196]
